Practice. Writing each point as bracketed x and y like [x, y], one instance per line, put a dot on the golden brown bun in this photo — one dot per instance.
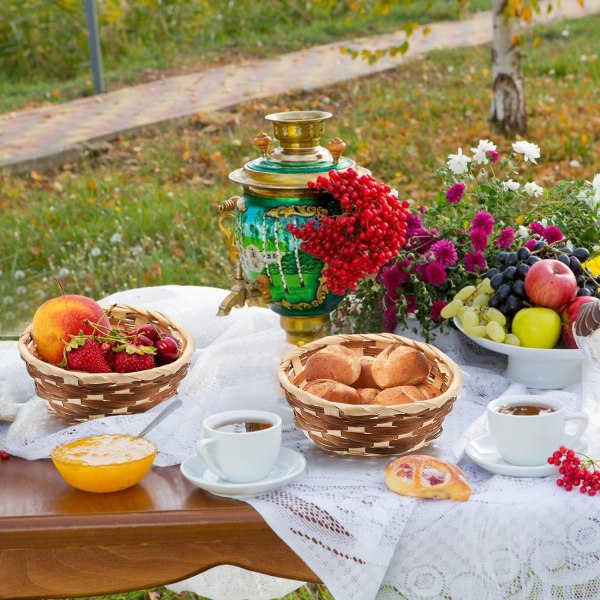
[365, 379]
[333, 362]
[426, 477]
[399, 365]
[429, 390]
[333, 391]
[402, 394]
[368, 395]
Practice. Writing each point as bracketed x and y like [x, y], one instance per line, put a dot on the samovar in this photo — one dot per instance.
[271, 268]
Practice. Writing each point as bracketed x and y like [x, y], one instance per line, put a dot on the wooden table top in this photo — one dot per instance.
[56, 541]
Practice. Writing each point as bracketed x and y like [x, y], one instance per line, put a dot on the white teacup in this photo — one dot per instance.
[236, 454]
[528, 440]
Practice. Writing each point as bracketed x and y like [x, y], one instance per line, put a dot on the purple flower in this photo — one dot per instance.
[422, 209]
[479, 239]
[434, 274]
[436, 309]
[483, 220]
[413, 223]
[506, 238]
[393, 277]
[552, 234]
[455, 193]
[530, 245]
[445, 253]
[390, 319]
[536, 227]
[474, 261]
[493, 156]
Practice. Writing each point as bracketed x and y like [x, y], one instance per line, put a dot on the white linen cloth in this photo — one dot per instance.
[515, 538]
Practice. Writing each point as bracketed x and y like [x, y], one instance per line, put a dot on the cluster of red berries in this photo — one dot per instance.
[4, 455]
[120, 352]
[576, 472]
[369, 232]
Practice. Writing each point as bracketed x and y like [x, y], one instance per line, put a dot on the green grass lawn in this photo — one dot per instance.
[144, 213]
[43, 45]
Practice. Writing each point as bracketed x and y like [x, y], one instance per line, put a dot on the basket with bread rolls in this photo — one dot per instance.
[371, 394]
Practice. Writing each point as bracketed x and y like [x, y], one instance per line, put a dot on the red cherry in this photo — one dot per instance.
[172, 337]
[150, 331]
[167, 350]
[142, 340]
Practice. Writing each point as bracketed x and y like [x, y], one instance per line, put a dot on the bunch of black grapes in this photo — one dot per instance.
[508, 277]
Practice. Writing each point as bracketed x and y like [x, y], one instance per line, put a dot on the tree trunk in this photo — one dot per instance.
[508, 102]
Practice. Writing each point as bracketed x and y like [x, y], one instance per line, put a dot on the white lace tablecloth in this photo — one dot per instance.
[515, 538]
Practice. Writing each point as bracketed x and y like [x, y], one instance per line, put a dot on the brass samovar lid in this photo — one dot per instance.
[299, 158]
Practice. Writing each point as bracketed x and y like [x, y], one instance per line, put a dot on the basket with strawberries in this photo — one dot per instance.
[89, 362]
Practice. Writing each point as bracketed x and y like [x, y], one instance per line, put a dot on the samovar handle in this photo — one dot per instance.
[225, 223]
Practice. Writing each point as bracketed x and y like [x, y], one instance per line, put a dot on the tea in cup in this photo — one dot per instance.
[241, 446]
[528, 429]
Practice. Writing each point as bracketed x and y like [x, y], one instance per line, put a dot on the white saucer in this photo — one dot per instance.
[484, 453]
[289, 466]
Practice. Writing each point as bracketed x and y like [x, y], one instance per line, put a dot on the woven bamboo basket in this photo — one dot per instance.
[370, 429]
[77, 396]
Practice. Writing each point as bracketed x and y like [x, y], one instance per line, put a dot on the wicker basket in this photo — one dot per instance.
[370, 429]
[79, 396]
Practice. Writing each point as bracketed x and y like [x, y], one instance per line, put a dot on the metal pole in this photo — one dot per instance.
[91, 16]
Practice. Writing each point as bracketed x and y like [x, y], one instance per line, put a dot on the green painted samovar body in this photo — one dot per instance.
[271, 267]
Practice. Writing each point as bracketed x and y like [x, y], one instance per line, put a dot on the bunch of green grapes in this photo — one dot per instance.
[470, 306]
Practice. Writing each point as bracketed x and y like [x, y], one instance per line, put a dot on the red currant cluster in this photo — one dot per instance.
[4, 455]
[576, 472]
[369, 232]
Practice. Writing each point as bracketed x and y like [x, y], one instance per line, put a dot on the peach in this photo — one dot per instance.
[60, 318]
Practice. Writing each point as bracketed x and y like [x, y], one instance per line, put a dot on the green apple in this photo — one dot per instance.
[537, 327]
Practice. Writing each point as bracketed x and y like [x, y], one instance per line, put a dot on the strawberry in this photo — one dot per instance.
[130, 357]
[84, 354]
[109, 354]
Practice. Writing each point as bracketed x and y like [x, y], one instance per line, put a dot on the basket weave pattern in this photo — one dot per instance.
[370, 429]
[79, 396]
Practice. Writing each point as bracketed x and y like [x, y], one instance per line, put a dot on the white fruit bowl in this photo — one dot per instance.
[536, 368]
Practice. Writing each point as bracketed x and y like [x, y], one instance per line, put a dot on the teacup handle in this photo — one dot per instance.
[583, 423]
[203, 449]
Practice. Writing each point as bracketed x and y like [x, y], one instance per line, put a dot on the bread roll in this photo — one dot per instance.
[333, 391]
[368, 395]
[399, 365]
[365, 379]
[426, 477]
[333, 362]
[402, 394]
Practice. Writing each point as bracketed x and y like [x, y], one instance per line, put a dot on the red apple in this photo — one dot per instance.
[60, 318]
[550, 283]
[569, 315]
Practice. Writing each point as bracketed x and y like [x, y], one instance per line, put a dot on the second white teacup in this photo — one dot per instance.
[241, 446]
[529, 439]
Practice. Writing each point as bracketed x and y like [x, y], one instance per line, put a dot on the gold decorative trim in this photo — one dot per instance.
[297, 211]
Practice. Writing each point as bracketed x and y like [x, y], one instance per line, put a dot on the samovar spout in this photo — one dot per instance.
[244, 292]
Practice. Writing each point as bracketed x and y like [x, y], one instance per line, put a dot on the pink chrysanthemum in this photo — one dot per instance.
[423, 209]
[530, 245]
[444, 252]
[552, 234]
[479, 239]
[436, 309]
[455, 193]
[506, 238]
[536, 227]
[413, 223]
[394, 277]
[493, 156]
[474, 262]
[483, 220]
[390, 319]
[434, 274]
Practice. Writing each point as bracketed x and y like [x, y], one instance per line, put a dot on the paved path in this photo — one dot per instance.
[47, 136]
